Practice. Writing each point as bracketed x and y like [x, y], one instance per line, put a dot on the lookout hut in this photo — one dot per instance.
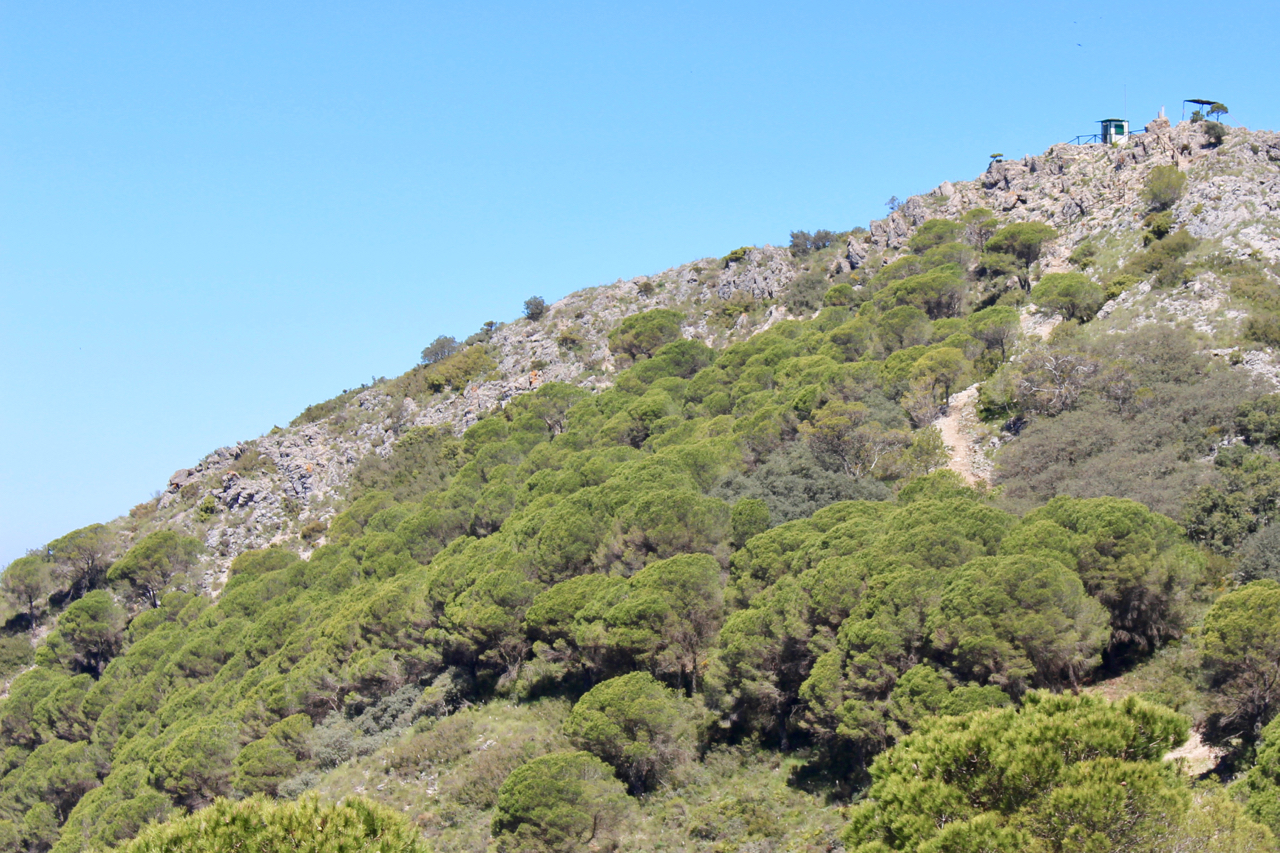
[1114, 130]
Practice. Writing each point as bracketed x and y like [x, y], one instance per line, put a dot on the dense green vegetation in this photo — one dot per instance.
[1059, 774]
[714, 601]
[307, 826]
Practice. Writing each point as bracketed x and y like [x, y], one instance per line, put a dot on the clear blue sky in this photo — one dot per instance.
[215, 214]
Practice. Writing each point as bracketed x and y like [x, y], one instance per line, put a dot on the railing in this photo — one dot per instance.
[1097, 137]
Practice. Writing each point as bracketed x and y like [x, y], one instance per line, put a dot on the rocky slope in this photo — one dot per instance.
[270, 489]
[1095, 191]
[265, 491]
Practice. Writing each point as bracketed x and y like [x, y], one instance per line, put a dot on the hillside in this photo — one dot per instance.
[1093, 197]
[688, 545]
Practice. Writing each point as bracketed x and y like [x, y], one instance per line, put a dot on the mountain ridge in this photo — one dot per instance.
[1073, 187]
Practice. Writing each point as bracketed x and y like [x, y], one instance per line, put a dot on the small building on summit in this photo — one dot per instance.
[1114, 130]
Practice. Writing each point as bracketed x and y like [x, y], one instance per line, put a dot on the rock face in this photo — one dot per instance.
[1084, 191]
[268, 490]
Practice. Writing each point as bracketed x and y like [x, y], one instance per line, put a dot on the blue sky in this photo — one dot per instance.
[213, 215]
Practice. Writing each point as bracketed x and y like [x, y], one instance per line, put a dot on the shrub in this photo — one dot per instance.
[15, 654]
[735, 256]
[1159, 225]
[261, 824]
[563, 802]
[932, 233]
[1261, 785]
[260, 562]
[841, 294]
[1164, 186]
[1258, 421]
[422, 461]
[1084, 254]
[1263, 327]
[640, 335]
[1260, 556]
[1163, 258]
[805, 292]
[725, 312]
[313, 530]
[1120, 284]
[793, 484]
[252, 460]
[440, 349]
[311, 414]
[457, 370]
[1240, 502]
[570, 339]
[1216, 131]
[802, 242]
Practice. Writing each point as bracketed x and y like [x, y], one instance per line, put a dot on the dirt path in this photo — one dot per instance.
[1195, 757]
[962, 433]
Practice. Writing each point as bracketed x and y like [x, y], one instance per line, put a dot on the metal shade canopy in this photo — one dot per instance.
[1199, 102]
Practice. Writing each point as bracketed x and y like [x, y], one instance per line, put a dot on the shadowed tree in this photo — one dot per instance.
[563, 802]
[643, 334]
[154, 563]
[25, 583]
[1024, 241]
[93, 629]
[83, 556]
[846, 433]
[535, 307]
[636, 724]
[1241, 643]
[670, 616]
[1070, 293]
[997, 326]
[1058, 768]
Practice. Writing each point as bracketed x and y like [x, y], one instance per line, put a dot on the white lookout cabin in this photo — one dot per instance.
[1113, 130]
